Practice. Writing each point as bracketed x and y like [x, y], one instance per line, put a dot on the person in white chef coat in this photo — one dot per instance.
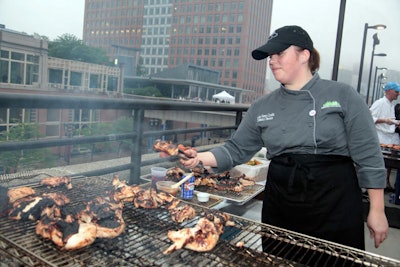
[382, 111]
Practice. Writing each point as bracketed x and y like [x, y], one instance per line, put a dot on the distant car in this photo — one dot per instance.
[81, 150]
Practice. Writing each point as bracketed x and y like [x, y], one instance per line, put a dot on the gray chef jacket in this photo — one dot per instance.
[324, 117]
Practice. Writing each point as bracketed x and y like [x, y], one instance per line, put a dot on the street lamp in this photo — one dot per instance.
[381, 81]
[366, 27]
[375, 85]
[370, 72]
[376, 42]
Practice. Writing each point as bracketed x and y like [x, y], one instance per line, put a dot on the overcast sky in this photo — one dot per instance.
[53, 18]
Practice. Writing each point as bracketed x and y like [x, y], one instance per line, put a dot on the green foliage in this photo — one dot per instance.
[68, 46]
[17, 160]
[121, 125]
[145, 91]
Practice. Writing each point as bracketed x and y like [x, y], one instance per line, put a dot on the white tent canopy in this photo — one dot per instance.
[224, 96]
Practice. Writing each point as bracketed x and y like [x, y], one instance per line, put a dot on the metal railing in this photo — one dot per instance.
[136, 106]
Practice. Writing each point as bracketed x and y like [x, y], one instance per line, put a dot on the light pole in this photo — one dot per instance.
[375, 85]
[381, 79]
[366, 27]
[370, 72]
[376, 42]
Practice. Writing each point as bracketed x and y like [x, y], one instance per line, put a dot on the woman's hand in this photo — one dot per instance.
[378, 226]
[376, 220]
[191, 159]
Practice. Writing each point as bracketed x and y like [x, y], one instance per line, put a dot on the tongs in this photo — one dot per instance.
[182, 155]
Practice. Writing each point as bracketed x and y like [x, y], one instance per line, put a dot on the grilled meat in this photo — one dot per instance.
[205, 181]
[31, 207]
[246, 181]
[169, 147]
[59, 198]
[56, 181]
[220, 219]
[19, 192]
[106, 214]
[146, 199]
[182, 213]
[111, 227]
[66, 235]
[166, 147]
[150, 199]
[219, 181]
[87, 233]
[203, 237]
[122, 191]
[76, 227]
[175, 174]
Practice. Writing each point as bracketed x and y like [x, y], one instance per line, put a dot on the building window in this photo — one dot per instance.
[52, 130]
[234, 75]
[4, 71]
[21, 71]
[17, 73]
[53, 115]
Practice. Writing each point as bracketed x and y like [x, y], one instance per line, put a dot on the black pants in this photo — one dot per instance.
[315, 195]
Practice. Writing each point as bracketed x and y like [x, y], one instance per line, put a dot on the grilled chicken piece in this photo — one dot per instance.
[165, 197]
[56, 181]
[205, 181]
[220, 219]
[71, 228]
[150, 199]
[106, 214]
[26, 208]
[122, 191]
[170, 148]
[85, 236]
[66, 235]
[203, 237]
[175, 174]
[182, 213]
[111, 227]
[246, 181]
[166, 147]
[146, 199]
[19, 192]
[31, 207]
[47, 228]
[59, 198]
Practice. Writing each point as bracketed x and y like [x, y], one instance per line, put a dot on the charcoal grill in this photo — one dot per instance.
[146, 238]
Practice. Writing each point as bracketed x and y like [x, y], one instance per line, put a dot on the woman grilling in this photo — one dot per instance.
[322, 143]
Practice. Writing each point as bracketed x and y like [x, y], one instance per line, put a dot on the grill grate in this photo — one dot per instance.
[145, 239]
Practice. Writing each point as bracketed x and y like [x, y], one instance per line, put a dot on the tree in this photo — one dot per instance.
[121, 125]
[68, 46]
[13, 161]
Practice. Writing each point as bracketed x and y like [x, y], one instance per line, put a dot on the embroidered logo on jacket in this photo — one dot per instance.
[331, 104]
[266, 117]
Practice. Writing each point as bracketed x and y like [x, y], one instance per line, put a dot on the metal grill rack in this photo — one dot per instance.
[145, 239]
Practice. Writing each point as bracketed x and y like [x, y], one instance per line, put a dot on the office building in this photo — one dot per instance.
[150, 36]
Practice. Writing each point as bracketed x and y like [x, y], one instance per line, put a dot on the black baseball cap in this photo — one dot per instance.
[281, 39]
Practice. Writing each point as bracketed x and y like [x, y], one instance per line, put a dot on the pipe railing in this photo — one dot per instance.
[136, 106]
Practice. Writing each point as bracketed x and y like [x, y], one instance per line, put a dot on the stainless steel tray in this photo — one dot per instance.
[239, 198]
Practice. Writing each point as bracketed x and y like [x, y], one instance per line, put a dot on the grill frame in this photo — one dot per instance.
[146, 238]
